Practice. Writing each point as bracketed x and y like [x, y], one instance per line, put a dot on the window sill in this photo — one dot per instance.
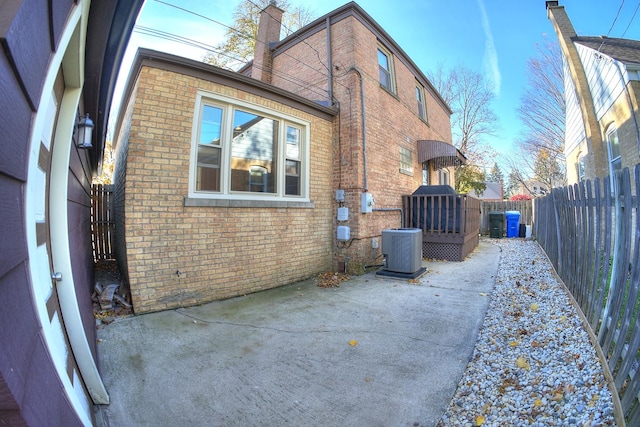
[232, 203]
[406, 172]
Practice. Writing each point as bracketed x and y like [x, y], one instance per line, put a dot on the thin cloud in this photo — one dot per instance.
[490, 60]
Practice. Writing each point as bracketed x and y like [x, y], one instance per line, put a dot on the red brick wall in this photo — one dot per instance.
[220, 252]
[391, 122]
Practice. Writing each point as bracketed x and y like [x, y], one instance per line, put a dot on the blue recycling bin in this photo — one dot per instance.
[513, 223]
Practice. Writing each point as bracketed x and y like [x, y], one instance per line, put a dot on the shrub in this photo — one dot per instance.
[517, 197]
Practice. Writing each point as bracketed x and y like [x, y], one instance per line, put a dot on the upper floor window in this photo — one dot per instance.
[422, 108]
[244, 151]
[406, 161]
[385, 67]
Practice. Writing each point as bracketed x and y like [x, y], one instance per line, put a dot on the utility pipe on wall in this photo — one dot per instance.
[364, 127]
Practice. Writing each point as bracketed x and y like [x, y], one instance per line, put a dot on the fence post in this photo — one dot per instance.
[555, 213]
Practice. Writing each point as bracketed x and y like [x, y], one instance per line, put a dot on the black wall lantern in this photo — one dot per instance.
[84, 132]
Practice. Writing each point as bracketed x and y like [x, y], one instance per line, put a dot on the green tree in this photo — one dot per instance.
[495, 175]
[238, 46]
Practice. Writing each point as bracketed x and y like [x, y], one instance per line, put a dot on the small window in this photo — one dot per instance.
[443, 176]
[422, 109]
[385, 67]
[406, 161]
[580, 167]
[425, 173]
[615, 159]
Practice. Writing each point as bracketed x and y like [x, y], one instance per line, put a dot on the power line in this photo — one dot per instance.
[632, 18]
[303, 84]
[296, 36]
[616, 18]
[247, 36]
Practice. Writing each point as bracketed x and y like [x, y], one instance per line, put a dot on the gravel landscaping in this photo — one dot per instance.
[533, 363]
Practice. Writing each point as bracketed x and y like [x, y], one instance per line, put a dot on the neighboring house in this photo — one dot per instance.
[59, 60]
[602, 91]
[230, 182]
[494, 192]
[534, 188]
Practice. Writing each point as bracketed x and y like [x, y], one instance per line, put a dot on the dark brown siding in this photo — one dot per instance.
[14, 126]
[30, 391]
[79, 211]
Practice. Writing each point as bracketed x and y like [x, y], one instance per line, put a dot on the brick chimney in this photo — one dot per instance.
[268, 33]
[596, 159]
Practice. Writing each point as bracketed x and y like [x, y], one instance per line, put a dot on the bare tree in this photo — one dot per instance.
[469, 95]
[542, 111]
[239, 44]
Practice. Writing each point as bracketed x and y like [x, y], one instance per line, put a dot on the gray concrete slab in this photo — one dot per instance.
[373, 352]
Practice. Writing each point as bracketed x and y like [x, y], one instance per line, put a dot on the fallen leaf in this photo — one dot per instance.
[353, 343]
[514, 343]
[522, 363]
[535, 306]
[482, 294]
[479, 420]
[537, 402]
[557, 396]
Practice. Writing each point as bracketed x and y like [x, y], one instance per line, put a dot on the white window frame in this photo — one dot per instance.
[422, 105]
[406, 161]
[390, 70]
[228, 105]
[580, 167]
[615, 163]
[444, 176]
[425, 173]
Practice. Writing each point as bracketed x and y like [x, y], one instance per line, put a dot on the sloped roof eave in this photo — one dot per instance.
[443, 153]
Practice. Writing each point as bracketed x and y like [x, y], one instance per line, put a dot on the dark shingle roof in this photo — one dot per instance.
[624, 50]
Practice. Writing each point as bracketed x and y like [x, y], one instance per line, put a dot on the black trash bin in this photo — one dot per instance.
[496, 224]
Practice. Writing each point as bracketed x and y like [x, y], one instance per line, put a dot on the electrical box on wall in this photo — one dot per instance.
[343, 214]
[367, 203]
[339, 195]
[343, 233]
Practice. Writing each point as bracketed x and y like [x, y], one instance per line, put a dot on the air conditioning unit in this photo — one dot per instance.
[402, 248]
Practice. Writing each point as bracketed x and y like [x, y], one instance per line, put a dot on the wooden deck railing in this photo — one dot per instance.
[450, 223]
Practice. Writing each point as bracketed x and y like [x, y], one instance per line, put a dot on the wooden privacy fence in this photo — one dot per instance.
[590, 234]
[525, 207]
[102, 222]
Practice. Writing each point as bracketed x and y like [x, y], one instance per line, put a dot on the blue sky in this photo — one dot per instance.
[493, 37]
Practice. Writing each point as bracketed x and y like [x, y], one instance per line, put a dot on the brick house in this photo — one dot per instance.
[223, 184]
[602, 90]
[58, 61]
[393, 131]
[230, 182]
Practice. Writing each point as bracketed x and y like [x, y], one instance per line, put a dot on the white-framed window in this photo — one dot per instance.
[443, 176]
[244, 151]
[385, 68]
[580, 167]
[422, 107]
[425, 173]
[613, 149]
[406, 161]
